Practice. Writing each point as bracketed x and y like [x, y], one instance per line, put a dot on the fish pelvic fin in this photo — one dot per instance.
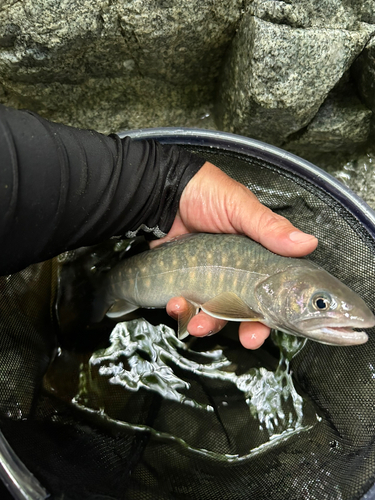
[230, 307]
[121, 308]
[184, 318]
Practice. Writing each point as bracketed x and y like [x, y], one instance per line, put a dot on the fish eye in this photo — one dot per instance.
[321, 302]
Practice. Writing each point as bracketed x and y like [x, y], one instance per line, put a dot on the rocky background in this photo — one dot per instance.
[296, 73]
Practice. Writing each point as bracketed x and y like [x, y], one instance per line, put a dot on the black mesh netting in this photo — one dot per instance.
[143, 416]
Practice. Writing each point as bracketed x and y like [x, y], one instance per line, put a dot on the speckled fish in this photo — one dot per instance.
[234, 278]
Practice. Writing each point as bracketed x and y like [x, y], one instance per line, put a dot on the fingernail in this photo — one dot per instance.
[211, 332]
[300, 237]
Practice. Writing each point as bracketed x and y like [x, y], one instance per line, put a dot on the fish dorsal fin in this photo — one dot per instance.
[229, 306]
[120, 308]
[184, 318]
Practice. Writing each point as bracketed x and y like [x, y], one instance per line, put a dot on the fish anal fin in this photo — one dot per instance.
[121, 308]
[229, 306]
[185, 317]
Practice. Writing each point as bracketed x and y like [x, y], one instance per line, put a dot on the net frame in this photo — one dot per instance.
[286, 162]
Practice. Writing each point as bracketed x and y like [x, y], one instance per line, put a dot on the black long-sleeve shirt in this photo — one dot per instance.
[62, 188]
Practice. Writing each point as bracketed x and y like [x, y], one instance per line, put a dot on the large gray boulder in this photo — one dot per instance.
[276, 76]
[111, 64]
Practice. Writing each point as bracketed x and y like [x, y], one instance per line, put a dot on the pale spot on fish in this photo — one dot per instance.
[209, 279]
[300, 303]
[148, 283]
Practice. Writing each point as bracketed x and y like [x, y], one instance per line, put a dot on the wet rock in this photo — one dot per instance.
[115, 64]
[358, 174]
[342, 123]
[146, 63]
[276, 77]
[355, 169]
[364, 74]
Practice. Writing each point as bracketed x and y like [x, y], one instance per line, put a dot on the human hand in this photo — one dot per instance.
[212, 202]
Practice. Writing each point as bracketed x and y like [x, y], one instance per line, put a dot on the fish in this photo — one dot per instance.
[231, 277]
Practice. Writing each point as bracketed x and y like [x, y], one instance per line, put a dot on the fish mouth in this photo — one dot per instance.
[336, 332]
[337, 335]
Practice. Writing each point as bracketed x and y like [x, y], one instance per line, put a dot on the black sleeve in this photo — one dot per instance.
[62, 188]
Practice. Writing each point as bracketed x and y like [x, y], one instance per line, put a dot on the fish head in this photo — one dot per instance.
[310, 302]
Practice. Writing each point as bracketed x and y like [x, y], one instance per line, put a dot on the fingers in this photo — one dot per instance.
[201, 324]
[252, 335]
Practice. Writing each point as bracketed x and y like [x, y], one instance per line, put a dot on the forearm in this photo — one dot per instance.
[61, 188]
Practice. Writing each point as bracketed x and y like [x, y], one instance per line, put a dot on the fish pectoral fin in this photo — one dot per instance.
[229, 306]
[184, 318]
[120, 308]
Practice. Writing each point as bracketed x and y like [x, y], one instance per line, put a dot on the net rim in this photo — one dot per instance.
[252, 147]
[19, 480]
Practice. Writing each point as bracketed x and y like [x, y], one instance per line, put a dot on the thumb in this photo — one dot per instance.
[270, 229]
[279, 235]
